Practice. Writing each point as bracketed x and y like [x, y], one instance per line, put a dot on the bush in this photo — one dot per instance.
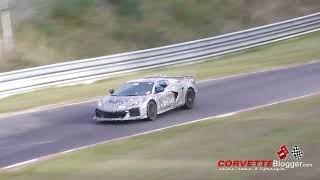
[71, 9]
[186, 13]
[129, 8]
[127, 32]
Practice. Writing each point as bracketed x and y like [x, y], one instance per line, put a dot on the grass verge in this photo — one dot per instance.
[294, 51]
[191, 151]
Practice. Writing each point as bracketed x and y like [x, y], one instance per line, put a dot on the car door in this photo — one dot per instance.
[166, 98]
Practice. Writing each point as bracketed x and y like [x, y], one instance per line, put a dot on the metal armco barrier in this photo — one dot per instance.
[96, 68]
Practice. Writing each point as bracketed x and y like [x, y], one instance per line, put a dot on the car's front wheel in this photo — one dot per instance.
[152, 111]
[189, 99]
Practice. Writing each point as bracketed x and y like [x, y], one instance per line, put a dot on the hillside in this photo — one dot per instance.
[51, 31]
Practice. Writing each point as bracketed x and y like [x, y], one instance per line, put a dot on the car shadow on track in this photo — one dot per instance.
[122, 122]
[159, 118]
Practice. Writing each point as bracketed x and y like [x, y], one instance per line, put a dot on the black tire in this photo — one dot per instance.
[152, 111]
[189, 99]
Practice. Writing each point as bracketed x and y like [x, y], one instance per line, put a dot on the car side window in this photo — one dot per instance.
[162, 83]
[160, 86]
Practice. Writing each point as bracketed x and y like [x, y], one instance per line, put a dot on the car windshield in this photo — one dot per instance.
[134, 89]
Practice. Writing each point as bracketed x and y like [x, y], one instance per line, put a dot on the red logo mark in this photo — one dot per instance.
[283, 152]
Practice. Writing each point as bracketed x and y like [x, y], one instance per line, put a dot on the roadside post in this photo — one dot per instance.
[6, 44]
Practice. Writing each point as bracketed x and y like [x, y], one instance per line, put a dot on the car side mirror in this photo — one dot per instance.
[111, 91]
[159, 89]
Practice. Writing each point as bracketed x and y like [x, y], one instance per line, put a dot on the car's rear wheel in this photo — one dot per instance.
[189, 99]
[152, 111]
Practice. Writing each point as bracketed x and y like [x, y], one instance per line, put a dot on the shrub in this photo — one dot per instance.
[129, 8]
[71, 9]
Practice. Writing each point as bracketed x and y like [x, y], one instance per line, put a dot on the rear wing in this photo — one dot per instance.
[170, 77]
[179, 78]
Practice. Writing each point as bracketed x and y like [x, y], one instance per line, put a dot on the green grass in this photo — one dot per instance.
[191, 151]
[294, 51]
[51, 31]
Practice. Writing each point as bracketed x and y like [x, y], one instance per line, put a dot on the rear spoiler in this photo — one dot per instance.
[173, 77]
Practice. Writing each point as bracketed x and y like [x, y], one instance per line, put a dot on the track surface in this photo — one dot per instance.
[32, 135]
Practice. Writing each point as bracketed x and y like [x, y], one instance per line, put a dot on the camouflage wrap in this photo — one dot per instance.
[121, 108]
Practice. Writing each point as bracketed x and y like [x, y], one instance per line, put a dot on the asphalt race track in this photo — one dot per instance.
[32, 135]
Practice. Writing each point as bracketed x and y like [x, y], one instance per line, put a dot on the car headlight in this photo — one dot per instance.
[100, 104]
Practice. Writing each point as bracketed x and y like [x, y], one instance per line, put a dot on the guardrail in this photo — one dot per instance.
[96, 68]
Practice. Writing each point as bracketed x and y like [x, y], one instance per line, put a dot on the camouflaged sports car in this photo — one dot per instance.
[145, 98]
